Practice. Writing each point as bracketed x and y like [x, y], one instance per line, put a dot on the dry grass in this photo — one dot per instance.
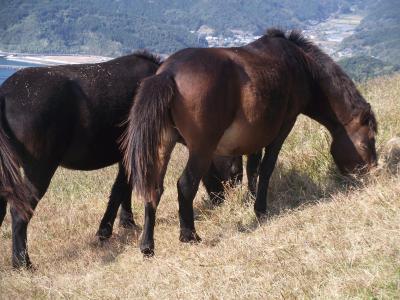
[325, 238]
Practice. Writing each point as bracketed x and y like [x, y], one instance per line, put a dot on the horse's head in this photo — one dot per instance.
[353, 145]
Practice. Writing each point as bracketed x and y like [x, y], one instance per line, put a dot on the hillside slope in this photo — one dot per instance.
[325, 238]
[115, 27]
[378, 35]
[361, 68]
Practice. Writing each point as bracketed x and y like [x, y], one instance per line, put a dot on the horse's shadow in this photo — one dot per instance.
[289, 190]
[111, 248]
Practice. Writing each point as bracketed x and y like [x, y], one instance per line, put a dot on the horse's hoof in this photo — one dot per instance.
[189, 236]
[147, 248]
[147, 253]
[261, 216]
[22, 264]
[104, 233]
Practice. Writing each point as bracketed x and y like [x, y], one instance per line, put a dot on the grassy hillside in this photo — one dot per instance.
[115, 27]
[325, 238]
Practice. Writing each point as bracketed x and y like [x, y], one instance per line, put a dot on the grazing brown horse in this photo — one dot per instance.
[234, 101]
[71, 116]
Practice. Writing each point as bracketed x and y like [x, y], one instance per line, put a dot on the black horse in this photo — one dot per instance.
[68, 116]
[73, 116]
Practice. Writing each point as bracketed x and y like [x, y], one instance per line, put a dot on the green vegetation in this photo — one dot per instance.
[379, 33]
[116, 27]
[361, 68]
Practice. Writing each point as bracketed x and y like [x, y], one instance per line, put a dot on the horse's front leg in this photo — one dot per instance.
[213, 184]
[252, 170]
[267, 167]
[3, 209]
[126, 215]
[121, 193]
[222, 169]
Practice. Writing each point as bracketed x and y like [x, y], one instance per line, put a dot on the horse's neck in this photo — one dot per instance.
[325, 116]
[330, 103]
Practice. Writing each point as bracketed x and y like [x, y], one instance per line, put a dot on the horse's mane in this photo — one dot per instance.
[315, 56]
[149, 56]
[320, 65]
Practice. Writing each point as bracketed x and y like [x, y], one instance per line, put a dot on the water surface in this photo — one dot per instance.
[9, 67]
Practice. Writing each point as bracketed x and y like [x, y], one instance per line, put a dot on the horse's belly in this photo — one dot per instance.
[241, 138]
[88, 164]
[91, 157]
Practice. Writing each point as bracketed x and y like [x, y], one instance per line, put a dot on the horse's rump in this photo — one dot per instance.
[12, 185]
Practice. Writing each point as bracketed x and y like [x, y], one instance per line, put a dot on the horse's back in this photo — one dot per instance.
[73, 113]
[231, 97]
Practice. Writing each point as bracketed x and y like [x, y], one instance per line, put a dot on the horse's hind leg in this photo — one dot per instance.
[39, 178]
[3, 209]
[20, 256]
[188, 184]
[147, 241]
[120, 195]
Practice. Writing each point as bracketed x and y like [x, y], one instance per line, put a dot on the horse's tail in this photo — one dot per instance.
[148, 121]
[12, 186]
